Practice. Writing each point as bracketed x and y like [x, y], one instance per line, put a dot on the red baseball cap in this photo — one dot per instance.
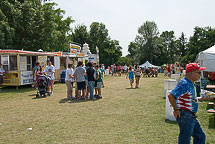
[191, 67]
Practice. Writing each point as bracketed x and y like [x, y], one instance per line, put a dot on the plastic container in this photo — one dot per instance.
[169, 84]
[62, 76]
[169, 109]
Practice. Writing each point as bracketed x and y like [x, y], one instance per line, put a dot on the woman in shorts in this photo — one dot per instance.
[130, 75]
[137, 75]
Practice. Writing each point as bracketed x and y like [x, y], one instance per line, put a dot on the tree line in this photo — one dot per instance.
[37, 24]
[165, 48]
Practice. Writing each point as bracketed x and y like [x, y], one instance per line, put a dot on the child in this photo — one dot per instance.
[130, 75]
[38, 73]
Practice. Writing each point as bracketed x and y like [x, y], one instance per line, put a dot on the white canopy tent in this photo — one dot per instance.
[148, 64]
[206, 59]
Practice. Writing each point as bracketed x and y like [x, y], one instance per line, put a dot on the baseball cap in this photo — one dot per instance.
[191, 67]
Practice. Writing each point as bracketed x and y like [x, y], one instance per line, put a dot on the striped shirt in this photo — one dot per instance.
[79, 72]
[185, 95]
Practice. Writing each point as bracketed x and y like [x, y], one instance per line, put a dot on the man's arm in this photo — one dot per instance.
[172, 101]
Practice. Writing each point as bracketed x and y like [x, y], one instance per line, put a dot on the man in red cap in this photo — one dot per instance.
[184, 101]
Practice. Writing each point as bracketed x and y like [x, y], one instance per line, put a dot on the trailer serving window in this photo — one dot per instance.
[29, 63]
[9, 63]
[13, 63]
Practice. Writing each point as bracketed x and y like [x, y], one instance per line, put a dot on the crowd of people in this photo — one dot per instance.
[170, 69]
[88, 78]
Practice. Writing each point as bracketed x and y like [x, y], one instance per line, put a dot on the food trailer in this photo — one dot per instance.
[18, 65]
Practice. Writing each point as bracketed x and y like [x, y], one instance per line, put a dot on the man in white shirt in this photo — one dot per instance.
[50, 70]
[69, 80]
[2, 71]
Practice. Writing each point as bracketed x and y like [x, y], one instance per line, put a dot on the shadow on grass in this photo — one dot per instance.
[211, 122]
[13, 89]
[65, 100]
[130, 88]
[209, 106]
[39, 97]
[170, 122]
[33, 94]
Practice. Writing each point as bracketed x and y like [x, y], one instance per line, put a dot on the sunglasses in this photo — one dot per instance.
[198, 73]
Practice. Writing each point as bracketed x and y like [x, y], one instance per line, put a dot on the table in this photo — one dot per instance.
[210, 86]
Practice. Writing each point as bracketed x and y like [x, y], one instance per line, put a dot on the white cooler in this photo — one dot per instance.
[176, 77]
[169, 84]
[169, 109]
[107, 72]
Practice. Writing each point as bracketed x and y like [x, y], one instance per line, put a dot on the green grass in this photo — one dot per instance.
[123, 116]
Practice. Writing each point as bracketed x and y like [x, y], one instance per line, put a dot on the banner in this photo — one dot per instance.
[73, 51]
[73, 46]
[80, 54]
[58, 53]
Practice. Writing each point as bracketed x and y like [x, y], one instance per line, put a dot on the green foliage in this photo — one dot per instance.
[97, 37]
[125, 60]
[166, 48]
[202, 39]
[29, 25]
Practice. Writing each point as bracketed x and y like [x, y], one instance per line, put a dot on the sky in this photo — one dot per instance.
[122, 18]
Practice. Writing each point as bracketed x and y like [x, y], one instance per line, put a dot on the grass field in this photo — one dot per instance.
[124, 116]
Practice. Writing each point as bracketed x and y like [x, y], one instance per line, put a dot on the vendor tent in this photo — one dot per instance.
[206, 59]
[148, 64]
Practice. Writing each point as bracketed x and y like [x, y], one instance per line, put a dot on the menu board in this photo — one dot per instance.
[43, 61]
[57, 62]
[23, 63]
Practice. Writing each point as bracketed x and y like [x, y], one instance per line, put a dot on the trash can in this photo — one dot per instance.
[62, 76]
[169, 84]
[198, 88]
[169, 109]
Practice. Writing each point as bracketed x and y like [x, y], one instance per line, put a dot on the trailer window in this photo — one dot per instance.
[29, 63]
[13, 62]
[5, 62]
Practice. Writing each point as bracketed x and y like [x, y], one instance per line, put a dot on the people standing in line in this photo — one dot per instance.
[130, 75]
[183, 99]
[50, 70]
[69, 81]
[91, 73]
[99, 80]
[79, 74]
[2, 71]
[86, 79]
[38, 74]
[137, 73]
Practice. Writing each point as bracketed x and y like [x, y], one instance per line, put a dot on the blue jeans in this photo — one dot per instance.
[190, 126]
[91, 85]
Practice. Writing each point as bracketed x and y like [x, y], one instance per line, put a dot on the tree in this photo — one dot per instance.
[29, 25]
[80, 35]
[134, 52]
[107, 48]
[169, 46]
[145, 46]
[202, 39]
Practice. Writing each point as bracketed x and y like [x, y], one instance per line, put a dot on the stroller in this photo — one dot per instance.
[42, 84]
